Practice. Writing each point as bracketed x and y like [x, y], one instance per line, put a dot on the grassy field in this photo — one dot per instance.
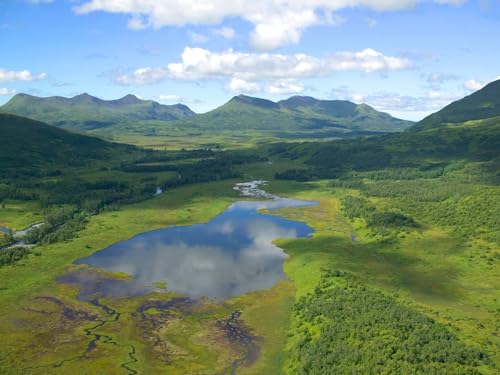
[182, 339]
[18, 215]
[436, 272]
[431, 270]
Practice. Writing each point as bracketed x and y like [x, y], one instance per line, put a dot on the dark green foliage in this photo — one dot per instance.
[55, 167]
[457, 201]
[34, 149]
[11, 256]
[406, 155]
[344, 327]
[356, 207]
[378, 222]
[60, 224]
[391, 220]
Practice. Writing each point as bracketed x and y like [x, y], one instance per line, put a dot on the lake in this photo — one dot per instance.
[230, 255]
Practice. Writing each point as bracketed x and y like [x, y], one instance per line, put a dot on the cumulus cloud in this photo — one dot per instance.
[254, 72]
[5, 91]
[21, 75]
[474, 84]
[240, 85]
[285, 87]
[276, 22]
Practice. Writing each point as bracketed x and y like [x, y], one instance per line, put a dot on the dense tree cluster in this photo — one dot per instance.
[380, 222]
[11, 256]
[60, 224]
[345, 327]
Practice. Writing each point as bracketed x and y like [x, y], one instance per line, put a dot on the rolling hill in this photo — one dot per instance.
[30, 146]
[296, 117]
[86, 113]
[480, 105]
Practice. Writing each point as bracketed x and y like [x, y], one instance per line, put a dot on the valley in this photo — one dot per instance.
[381, 253]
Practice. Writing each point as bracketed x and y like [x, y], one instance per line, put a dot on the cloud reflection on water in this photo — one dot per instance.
[231, 255]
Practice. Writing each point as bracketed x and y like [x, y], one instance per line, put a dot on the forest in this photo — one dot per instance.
[346, 327]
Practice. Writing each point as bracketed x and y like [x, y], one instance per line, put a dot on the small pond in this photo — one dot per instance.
[230, 255]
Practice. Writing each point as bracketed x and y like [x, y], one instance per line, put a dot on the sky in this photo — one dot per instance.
[405, 57]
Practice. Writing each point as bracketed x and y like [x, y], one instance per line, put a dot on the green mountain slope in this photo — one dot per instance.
[30, 146]
[482, 104]
[85, 113]
[296, 117]
[466, 130]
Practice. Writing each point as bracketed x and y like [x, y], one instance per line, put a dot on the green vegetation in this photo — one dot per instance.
[346, 327]
[85, 113]
[243, 120]
[296, 118]
[483, 104]
[13, 255]
[409, 220]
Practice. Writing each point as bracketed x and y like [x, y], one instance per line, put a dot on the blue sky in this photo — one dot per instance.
[405, 57]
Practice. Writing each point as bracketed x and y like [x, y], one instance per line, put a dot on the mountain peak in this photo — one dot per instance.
[128, 99]
[257, 102]
[84, 98]
[298, 101]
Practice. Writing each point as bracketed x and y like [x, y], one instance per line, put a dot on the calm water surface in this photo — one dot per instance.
[230, 255]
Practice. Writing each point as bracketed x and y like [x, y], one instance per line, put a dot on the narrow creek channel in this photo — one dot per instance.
[230, 255]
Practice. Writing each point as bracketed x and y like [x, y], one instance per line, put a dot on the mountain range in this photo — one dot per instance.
[468, 128]
[86, 113]
[296, 117]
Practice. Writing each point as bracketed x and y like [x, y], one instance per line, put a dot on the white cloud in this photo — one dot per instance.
[439, 78]
[21, 75]
[225, 32]
[241, 86]
[5, 91]
[198, 63]
[474, 84]
[41, 1]
[276, 22]
[395, 102]
[285, 87]
[368, 61]
[170, 98]
[253, 72]
[197, 37]
[142, 76]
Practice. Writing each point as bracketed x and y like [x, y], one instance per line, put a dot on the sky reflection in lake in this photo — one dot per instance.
[230, 255]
